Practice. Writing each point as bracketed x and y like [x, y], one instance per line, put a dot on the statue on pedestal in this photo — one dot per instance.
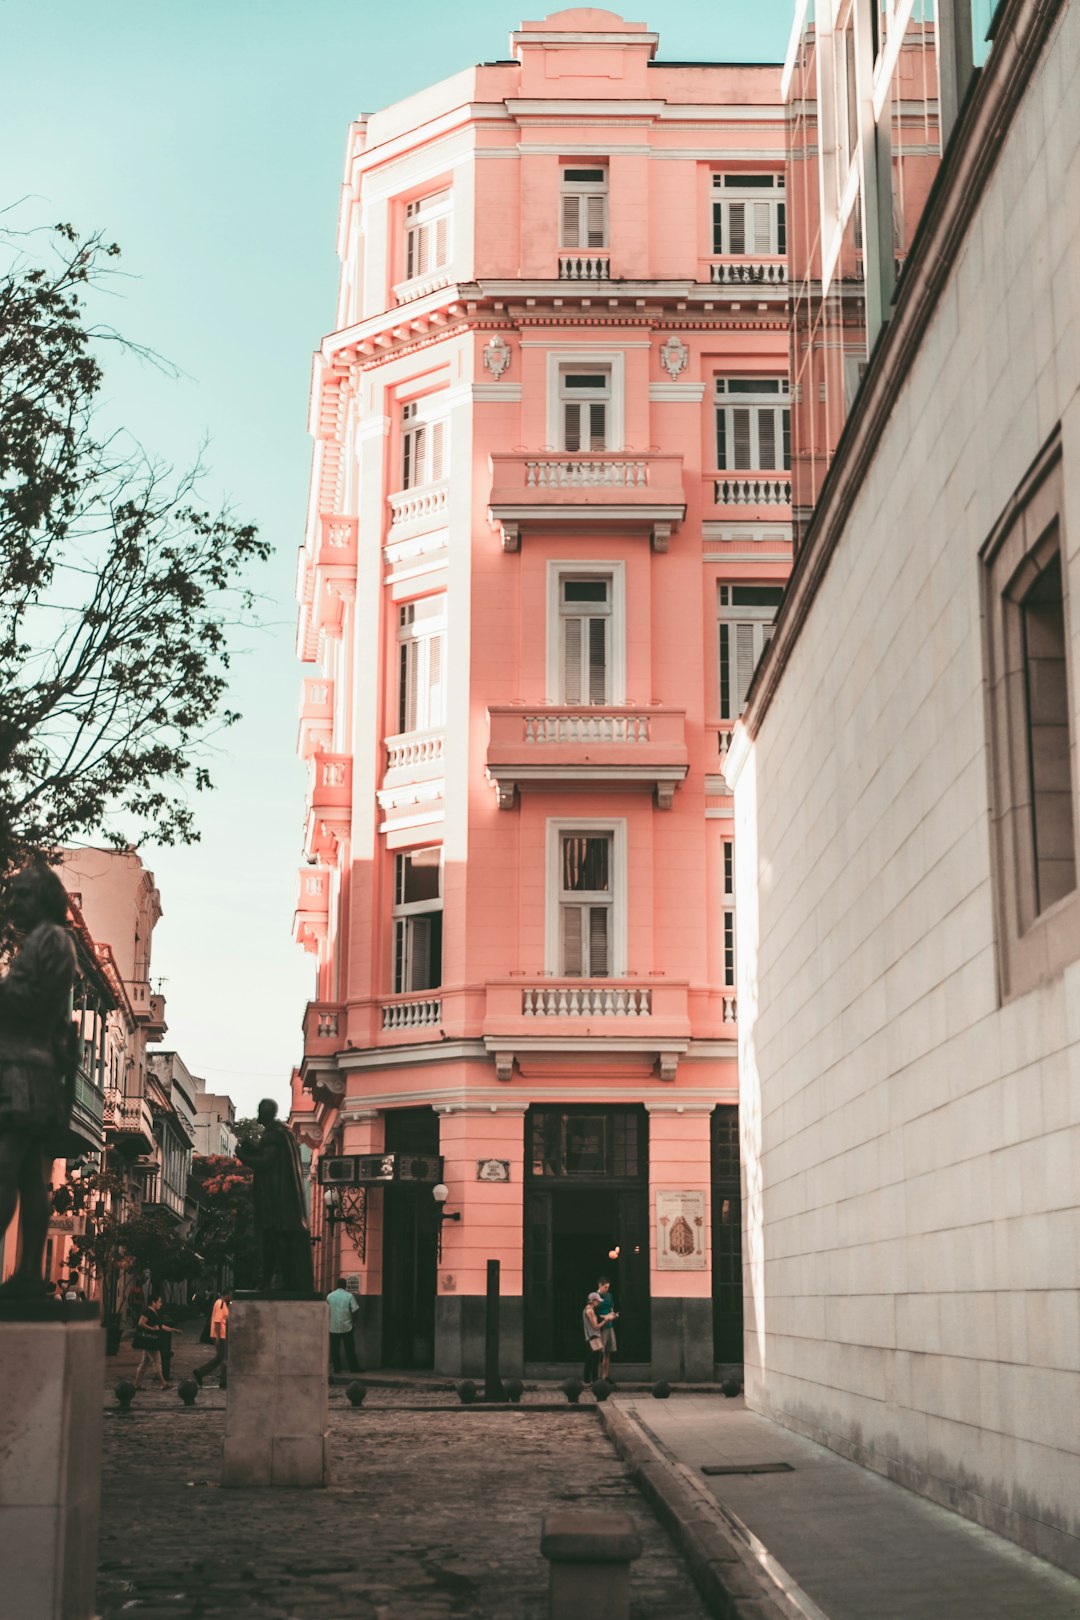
[280, 1206]
[38, 1053]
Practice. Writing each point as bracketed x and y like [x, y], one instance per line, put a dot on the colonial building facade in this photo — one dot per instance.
[907, 787]
[548, 531]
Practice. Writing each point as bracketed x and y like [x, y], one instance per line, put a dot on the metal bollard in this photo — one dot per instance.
[590, 1556]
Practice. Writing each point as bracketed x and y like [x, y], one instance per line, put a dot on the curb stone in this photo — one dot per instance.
[731, 1581]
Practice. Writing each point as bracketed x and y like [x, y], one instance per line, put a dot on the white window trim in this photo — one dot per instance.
[616, 826]
[615, 361]
[556, 568]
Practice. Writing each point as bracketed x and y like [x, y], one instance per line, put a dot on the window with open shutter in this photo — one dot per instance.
[421, 664]
[753, 424]
[423, 443]
[749, 215]
[427, 235]
[418, 919]
[746, 617]
[585, 605]
[584, 208]
[584, 403]
[585, 904]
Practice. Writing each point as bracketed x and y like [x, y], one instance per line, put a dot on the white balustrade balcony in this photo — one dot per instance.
[413, 511]
[638, 490]
[578, 1000]
[752, 489]
[594, 266]
[324, 1028]
[745, 272]
[412, 1012]
[548, 744]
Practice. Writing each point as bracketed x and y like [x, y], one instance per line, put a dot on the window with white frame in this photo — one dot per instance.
[427, 235]
[418, 919]
[584, 407]
[421, 636]
[753, 424]
[749, 214]
[585, 638]
[584, 208]
[746, 616]
[586, 903]
[423, 443]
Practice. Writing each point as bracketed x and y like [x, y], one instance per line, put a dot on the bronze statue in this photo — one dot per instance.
[37, 1058]
[280, 1206]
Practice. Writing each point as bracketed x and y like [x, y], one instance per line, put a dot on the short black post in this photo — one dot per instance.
[493, 1390]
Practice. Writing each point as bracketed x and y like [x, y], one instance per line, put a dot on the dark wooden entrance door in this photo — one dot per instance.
[410, 1229]
[727, 1276]
[582, 1222]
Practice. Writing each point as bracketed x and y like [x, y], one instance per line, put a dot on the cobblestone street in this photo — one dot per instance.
[432, 1513]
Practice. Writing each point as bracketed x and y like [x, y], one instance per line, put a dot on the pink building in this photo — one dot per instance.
[549, 524]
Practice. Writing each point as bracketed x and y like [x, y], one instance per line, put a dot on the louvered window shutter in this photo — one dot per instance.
[781, 228]
[736, 228]
[761, 227]
[766, 439]
[785, 417]
[598, 942]
[721, 438]
[436, 698]
[570, 211]
[420, 953]
[438, 439]
[718, 228]
[572, 656]
[571, 941]
[442, 241]
[595, 216]
[740, 422]
[408, 686]
[410, 254]
[597, 660]
[399, 957]
[572, 425]
[725, 672]
[744, 661]
[597, 425]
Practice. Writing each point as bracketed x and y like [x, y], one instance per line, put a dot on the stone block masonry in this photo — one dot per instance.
[276, 1416]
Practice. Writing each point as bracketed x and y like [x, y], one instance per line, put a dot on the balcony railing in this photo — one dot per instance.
[413, 750]
[642, 488]
[752, 489]
[584, 267]
[578, 1000]
[741, 272]
[577, 747]
[412, 1012]
[324, 1028]
[128, 1116]
[413, 509]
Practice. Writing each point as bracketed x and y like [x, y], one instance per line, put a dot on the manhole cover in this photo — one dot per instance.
[748, 1468]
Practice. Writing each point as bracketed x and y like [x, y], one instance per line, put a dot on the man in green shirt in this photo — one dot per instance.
[343, 1308]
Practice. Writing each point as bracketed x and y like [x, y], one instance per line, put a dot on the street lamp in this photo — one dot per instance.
[441, 1192]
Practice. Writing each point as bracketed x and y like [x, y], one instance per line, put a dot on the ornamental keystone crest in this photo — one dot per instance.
[674, 356]
[496, 356]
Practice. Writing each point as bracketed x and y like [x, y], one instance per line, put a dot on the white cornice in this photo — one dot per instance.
[690, 393]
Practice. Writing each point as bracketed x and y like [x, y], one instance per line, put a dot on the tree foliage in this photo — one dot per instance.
[117, 588]
[224, 1231]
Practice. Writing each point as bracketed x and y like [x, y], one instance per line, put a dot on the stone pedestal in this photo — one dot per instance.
[52, 1377]
[590, 1555]
[277, 1413]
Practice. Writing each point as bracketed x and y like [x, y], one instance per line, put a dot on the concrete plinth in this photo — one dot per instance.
[52, 1369]
[590, 1555]
[276, 1414]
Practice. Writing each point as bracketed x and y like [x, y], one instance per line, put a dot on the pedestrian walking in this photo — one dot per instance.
[148, 1337]
[607, 1316]
[594, 1344]
[343, 1308]
[219, 1331]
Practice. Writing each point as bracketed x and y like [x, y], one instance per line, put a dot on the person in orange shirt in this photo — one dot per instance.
[219, 1329]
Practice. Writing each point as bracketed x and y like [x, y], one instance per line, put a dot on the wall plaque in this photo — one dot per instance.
[493, 1169]
[680, 1231]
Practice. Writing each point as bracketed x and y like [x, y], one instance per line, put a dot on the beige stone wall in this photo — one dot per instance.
[913, 1147]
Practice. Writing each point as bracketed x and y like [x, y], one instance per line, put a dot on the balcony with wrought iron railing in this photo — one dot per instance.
[737, 270]
[544, 744]
[128, 1121]
[642, 489]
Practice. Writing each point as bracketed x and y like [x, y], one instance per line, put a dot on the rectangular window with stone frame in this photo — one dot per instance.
[1030, 635]
[418, 919]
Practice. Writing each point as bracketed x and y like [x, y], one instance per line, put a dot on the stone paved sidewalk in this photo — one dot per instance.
[432, 1514]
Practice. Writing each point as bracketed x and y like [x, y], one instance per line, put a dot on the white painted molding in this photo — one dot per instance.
[677, 392]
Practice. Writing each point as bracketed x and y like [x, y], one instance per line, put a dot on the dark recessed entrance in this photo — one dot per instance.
[727, 1237]
[409, 1247]
[586, 1216]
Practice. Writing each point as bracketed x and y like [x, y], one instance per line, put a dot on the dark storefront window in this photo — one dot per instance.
[603, 1145]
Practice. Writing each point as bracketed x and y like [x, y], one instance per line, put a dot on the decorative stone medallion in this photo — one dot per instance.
[674, 356]
[496, 356]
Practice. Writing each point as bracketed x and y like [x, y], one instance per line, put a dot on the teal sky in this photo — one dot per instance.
[207, 138]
